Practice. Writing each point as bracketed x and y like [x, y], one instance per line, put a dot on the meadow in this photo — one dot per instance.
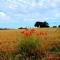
[10, 39]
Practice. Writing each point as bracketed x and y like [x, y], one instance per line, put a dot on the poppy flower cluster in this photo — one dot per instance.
[31, 42]
[28, 33]
[34, 34]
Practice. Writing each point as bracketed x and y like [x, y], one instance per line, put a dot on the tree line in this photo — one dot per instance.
[43, 24]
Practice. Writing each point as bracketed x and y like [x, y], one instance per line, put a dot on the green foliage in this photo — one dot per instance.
[30, 46]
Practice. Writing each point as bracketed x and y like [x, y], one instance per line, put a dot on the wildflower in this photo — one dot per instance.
[28, 33]
[46, 33]
[23, 32]
[33, 30]
[42, 33]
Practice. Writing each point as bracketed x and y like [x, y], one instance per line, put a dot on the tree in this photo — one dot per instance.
[59, 26]
[45, 24]
[41, 24]
[37, 24]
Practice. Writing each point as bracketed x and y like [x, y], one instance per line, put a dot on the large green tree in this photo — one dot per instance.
[41, 24]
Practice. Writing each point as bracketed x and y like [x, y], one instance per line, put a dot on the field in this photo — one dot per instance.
[9, 38]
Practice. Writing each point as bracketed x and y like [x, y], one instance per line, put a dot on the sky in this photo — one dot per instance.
[24, 13]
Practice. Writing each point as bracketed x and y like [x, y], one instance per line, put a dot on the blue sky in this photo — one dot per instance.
[19, 13]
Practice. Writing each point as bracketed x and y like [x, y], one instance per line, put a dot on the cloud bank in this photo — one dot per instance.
[29, 11]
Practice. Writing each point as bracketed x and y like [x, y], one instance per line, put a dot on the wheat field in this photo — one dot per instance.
[9, 42]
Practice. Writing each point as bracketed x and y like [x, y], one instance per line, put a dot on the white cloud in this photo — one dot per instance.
[2, 14]
[4, 17]
[12, 6]
[32, 8]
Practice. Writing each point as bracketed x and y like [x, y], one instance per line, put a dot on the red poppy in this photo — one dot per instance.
[22, 32]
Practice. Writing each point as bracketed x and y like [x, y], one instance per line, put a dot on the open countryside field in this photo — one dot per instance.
[9, 38]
